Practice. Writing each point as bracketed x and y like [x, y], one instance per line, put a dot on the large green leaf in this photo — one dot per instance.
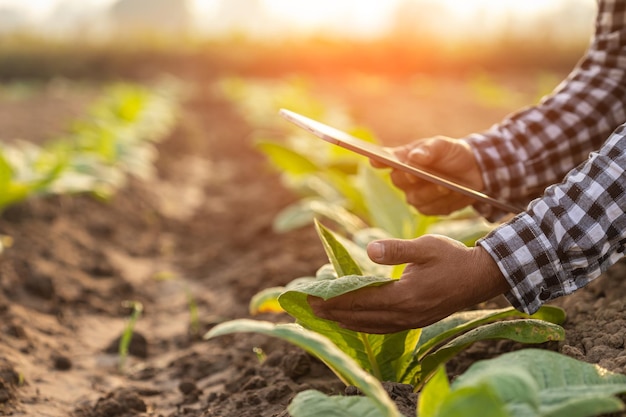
[541, 383]
[461, 322]
[524, 330]
[319, 346]
[313, 403]
[384, 356]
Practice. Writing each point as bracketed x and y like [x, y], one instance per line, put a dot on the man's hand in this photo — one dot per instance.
[442, 276]
[451, 158]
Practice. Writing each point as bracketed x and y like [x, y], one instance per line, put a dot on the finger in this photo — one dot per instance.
[394, 251]
[369, 321]
[378, 164]
[369, 324]
[439, 205]
[422, 193]
[400, 152]
[429, 151]
[392, 328]
[377, 298]
[404, 180]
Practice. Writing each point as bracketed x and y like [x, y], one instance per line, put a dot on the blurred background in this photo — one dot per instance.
[394, 36]
[503, 53]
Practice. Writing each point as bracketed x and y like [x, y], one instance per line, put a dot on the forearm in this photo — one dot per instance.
[569, 236]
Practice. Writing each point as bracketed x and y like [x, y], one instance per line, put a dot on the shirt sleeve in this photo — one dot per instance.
[537, 146]
[569, 236]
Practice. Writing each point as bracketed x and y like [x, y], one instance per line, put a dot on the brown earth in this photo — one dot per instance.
[205, 224]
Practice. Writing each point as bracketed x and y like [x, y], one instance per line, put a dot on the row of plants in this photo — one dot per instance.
[361, 204]
[113, 140]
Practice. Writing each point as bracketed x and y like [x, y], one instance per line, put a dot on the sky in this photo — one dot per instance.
[350, 16]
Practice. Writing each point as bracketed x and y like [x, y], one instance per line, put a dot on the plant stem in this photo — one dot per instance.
[371, 357]
[127, 336]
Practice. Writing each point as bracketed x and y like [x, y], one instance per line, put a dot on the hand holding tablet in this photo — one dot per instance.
[380, 154]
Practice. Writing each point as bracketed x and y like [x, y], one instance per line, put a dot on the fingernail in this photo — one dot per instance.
[376, 251]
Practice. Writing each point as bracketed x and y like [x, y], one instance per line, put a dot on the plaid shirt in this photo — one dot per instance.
[576, 229]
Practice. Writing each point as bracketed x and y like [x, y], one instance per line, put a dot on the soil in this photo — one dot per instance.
[200, 229]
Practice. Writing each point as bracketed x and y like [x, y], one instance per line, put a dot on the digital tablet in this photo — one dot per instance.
[379, 153]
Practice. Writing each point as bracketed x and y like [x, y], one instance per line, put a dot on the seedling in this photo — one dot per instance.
[127, 336]
[260, 354]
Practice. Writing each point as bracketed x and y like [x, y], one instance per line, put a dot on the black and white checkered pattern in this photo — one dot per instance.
[577, 228]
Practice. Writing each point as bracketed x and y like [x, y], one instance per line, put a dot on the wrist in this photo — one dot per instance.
[489, 280]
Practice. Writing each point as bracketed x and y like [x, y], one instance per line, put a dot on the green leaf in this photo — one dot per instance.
[266, 301]
[477, 400]
[346, 185]
[313, 403]
[561, 386]
[303, 212]
[386, 205]
[434, 393]
[461, 322]
[319, 346]
[524, 330]
[337, 253]
[286, 159]
[326, 271]
[384, 356]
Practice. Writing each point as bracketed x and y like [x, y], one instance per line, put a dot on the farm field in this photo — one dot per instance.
[193, 243]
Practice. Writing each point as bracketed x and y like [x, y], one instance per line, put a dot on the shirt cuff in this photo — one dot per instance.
[528, 262]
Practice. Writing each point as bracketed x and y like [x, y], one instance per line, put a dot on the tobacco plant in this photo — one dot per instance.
[112, 141]
[410, 356]
[526, 383]
[332, 183]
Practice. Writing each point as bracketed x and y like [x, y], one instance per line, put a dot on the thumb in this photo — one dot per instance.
[393, 251]
[429, 151]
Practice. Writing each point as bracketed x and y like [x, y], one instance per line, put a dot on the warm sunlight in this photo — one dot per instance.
[373, 17]
[362, 18]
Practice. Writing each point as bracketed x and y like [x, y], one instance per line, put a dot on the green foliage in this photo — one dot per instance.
[320, 346]
[410, 356]
[526, 383]
[312, 403]
[114, 140]
[333, 183]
